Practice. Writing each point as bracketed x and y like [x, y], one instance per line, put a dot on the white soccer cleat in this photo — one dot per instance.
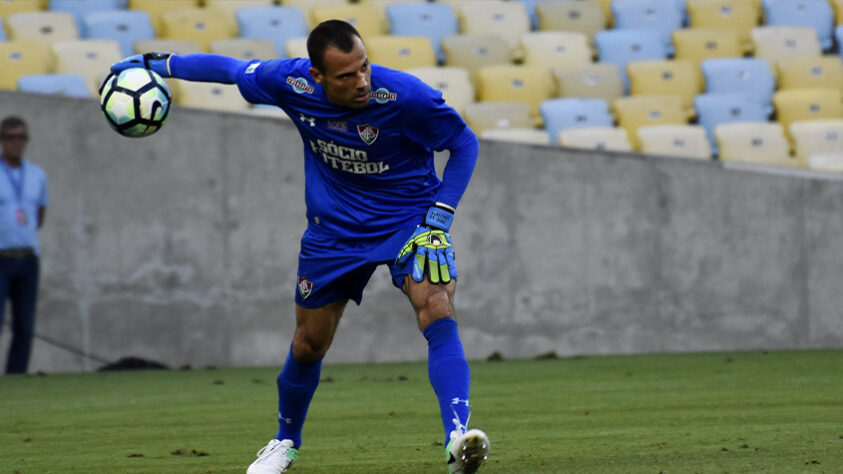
[274, 458]
[467, 452]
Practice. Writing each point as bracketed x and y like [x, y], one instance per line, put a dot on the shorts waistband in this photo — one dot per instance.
[17, 252]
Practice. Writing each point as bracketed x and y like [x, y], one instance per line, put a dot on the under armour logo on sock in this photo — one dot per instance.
[281, 418]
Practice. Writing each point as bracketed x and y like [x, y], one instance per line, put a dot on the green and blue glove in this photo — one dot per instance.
[157, 62]
[431, 246]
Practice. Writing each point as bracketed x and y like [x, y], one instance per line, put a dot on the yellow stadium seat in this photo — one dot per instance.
[400, 52]
[699, 44]
[168, 45]
[296, 48]
[473, 51]
[454, 83]
[740, 16]
[209, 96]
[683, 141]
[197, 24]
[571, 15]
[380, 7]
[776, 43]
[42, 27]
[606, 7]
[530, 136]
[509, 20]
[817, 137]
[811, 72]
[157, 8]
[755, 142]
[528, 84]
[363, 17]
[307, 5]
[556, 49]
[596, 138]
[21, 58]
[482, 116]
[8, 8]
[229, 7]
[837, 5]
[600, 80]
[634, 112]
[91, 59]
[245, 48]
[793, 105]
[666, 77]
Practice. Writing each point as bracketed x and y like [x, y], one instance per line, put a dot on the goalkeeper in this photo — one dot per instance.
[373, 197]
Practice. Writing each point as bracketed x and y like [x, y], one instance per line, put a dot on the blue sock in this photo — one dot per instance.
[449, 374]
[296, 384]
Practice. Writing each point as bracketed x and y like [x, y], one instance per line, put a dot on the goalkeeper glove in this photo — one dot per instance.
[431, 246]
[157, 62]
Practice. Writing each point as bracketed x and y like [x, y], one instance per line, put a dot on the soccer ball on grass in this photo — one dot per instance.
[135, 102]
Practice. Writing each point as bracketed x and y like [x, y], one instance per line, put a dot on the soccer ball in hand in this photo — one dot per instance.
[135, 102]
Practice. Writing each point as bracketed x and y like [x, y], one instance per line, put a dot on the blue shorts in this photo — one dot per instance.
[332, 270]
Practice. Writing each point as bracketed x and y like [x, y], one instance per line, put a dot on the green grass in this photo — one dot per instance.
[778, 412]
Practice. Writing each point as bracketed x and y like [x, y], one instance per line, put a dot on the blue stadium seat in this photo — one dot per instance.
[277, 24]
[125, 26]
[683, 11]
[813, 13]
[714, 109]
[838, 32]
[71, 85]
[79, 8]
[2, 31]
[653, 15]
[751, 77]
[565, 113]
[622, 46]
[433, 20]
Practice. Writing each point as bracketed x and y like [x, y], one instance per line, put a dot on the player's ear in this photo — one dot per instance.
[316, 74]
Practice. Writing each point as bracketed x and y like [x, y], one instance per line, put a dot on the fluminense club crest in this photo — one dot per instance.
[305, 286]
[368, 133]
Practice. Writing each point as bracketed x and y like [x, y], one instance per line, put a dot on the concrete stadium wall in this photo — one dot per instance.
[182, 249]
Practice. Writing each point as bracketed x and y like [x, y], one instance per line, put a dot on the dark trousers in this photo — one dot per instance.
[19, 284]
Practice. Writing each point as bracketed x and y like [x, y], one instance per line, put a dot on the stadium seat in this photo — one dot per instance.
[530, 136]
[837, 6]
[172, 46]
[400, 52]
[157, 8]
[811, 13]
[8, 8]
[70, 85]
[21, 58]
[454, 83]
[624, 46]
[793, 105]
[245, 48]
[530, 6]
[698, 44]
[296, 48]
[508, 20]
[380, 6]
[42, 27]
[683, 141]
[305, 6]
[640, 111]
[748, 76]
[652, 15]
[571, 15]
[715, 109]
[229, 8]
[775, 43]
[601, 80]
[811, 72]
[277, 24]
[816, 137]
[208, 95]
[473, 51]
[826, 162]
[197, 24]
[556, 49]
[599, 138]
[2, 31]
[433, 20]
[666, 77]
[528, 84]
[565, 113]
[755, 142]
[606, 7]
[481, 116]
[124, 26]
[363, 17]
[79, 8]
[740, 16]
[91, 59]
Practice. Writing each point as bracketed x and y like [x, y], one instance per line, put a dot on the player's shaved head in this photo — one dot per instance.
[330, 34]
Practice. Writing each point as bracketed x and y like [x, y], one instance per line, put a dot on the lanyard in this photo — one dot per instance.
[17, 186]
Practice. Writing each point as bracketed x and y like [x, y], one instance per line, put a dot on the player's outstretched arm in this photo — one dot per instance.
[202, 67]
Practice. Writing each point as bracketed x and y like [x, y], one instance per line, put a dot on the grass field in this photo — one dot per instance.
[777, 412]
